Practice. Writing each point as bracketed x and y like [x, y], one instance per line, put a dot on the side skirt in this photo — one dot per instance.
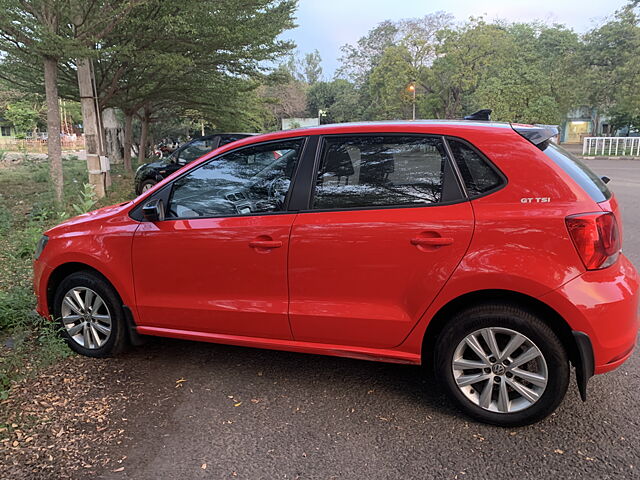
[361, 353]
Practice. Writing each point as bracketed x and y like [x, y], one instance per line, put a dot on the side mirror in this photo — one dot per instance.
[605, 179]
[153, 211]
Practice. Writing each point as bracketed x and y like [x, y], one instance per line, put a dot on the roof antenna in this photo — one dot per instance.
[484, 114]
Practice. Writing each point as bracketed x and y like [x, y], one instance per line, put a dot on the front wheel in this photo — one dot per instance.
[502, 365]
[147, 185]
[91, 315]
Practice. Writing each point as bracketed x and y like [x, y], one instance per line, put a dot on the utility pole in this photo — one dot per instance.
[98, 170]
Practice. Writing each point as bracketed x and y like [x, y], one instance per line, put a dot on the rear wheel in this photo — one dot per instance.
[91, 315]
[502, 365]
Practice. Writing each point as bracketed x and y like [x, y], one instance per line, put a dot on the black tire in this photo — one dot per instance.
[523, 322]
[148, 183]
[116, 341]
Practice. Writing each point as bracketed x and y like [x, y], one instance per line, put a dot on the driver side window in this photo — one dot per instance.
[248, 181]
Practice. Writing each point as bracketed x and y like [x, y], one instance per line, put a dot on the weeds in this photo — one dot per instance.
[87, 201]
[27, 341]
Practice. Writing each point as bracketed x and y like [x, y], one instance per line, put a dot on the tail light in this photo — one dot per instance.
[596, 237]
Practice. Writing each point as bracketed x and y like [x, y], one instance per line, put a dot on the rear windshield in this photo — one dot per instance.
[581, 174]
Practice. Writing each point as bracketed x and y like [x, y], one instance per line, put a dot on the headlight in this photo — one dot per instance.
[41, 244]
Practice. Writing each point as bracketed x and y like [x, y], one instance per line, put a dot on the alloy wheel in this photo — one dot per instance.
[86, 317]
[499, 370]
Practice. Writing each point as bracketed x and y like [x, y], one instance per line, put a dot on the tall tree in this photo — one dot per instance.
[154, 62]
[45, 33]
[37, 29]
[388, 85]
[612, 69]
[339, 99]
[312, 68]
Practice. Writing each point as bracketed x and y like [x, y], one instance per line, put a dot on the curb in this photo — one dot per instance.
[607, 158]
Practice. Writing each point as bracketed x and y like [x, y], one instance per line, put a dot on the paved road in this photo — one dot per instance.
[261, 414]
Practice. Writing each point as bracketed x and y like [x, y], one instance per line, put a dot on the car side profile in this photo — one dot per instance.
[480, 248]
[148, 174]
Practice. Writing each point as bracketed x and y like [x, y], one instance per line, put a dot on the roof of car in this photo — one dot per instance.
[479, 123]
[214, 135]
[446, 127]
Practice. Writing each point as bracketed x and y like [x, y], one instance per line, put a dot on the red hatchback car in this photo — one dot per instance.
[482, 248]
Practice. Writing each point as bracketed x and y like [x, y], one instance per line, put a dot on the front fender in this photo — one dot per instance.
[104, 246]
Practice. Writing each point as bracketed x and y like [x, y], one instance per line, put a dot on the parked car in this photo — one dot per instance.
[148, 174]
[480, 248]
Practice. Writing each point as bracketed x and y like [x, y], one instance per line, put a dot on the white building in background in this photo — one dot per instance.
[584, 122]
[291, 123]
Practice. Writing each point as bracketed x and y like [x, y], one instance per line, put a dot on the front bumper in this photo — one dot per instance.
[604, 305]
[41, 273]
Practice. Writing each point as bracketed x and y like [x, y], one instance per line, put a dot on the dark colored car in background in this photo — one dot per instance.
[148, 174]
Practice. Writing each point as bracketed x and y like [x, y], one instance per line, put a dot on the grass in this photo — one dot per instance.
[28, 342]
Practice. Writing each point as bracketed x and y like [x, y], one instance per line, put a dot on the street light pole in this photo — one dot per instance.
[412, 89]
[414, 102]
[321, 113]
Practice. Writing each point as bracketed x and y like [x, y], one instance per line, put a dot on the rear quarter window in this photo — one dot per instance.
[478, 176]
[591, 183]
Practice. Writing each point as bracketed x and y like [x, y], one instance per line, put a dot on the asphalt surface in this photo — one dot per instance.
[213, 411]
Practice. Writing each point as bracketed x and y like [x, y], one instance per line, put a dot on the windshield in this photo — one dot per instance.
[579, 172]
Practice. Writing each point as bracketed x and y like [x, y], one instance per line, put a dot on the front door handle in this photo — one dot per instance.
[265, 244]
[431, 241]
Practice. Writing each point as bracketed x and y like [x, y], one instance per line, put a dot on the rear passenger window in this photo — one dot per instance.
[477, 174]
[380, 170]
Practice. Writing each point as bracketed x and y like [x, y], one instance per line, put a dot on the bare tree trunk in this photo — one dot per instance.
[144, 134]
[113, 135]
[128, 137]
[97, 177]
[54, 148]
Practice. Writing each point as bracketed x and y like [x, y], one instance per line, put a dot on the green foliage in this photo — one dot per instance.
[170, 57]
[23, 115]
[26, 211]
[388, 83]
[87, 199]
[612, 68]
[530, 78]
[186, 56]
[33, 342]
[339, 99]
[525, 72]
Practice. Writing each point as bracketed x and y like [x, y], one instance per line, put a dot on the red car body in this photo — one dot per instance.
[360, 283]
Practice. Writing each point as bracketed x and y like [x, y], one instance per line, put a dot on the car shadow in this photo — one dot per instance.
[304, 373]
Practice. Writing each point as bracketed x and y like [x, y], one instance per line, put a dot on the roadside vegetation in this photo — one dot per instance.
[27, 342]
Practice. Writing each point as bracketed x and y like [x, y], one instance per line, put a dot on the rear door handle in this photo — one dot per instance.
[265, 244]
[432, 241]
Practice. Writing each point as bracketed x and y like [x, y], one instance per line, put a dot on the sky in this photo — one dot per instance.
[326, 25]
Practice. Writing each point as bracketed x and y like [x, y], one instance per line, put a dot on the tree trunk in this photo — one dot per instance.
[144, 134]
[97, 177]
[128, 137]
[54, 148]
[113, 136]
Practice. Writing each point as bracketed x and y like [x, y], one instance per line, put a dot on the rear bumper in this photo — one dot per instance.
[604, 305]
